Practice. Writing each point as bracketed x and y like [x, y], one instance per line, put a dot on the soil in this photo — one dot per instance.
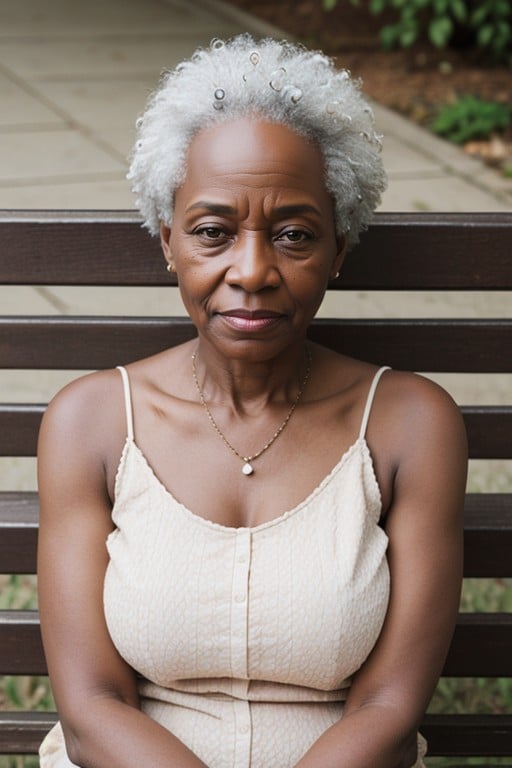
[415, 82]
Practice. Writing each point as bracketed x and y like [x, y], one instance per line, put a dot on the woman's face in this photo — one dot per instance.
[253, 239]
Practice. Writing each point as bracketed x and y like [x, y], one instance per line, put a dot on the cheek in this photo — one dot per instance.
[197, 282]
[307, 282]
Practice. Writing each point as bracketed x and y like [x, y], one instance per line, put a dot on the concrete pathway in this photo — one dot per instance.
[74, 75]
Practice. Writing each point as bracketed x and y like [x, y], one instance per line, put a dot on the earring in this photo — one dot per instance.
[170, 268]
[336, 275]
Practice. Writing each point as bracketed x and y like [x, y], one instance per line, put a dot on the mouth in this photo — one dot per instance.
[256, 320]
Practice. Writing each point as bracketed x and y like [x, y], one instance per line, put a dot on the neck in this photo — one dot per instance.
[250, 385]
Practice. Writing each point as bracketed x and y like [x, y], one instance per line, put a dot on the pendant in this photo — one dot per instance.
[247, 468]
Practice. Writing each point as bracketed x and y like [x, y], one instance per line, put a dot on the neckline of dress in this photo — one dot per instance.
[360, 443]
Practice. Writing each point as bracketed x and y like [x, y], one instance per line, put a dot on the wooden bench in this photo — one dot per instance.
[406, 252]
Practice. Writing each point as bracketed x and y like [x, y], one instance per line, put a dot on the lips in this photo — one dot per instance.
[255, 320]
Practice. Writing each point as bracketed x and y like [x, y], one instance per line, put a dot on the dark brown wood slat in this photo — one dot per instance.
[489, 429]
[480, 647]
[99, 342]
[79, 248]
[468, 735]
[405, 251]
[19, 428]
[21, 733]
[445, 250]
[21, 649]
[448, 346]
[487, 533]
[19, 521]
[85, 343]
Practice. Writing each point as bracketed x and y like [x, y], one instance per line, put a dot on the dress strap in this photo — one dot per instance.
[369, 400]
[127, 401]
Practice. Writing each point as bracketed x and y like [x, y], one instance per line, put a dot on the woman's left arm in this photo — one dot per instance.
[392, 689]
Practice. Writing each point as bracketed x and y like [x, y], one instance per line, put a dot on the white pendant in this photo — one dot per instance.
[247, 468]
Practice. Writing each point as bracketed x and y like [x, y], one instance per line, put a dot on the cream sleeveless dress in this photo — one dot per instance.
[245, 639]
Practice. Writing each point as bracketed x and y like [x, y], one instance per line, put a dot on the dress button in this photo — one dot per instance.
[242, 558]
[240, 598]
[243, 729]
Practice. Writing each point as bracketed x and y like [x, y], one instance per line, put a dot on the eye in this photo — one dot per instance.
[295, 236]
[209, 232]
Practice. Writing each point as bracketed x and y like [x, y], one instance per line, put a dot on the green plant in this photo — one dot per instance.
[492, 22]
[485, 23]
[24, 692]
[18, 761]
[471, 118]
[18, 592]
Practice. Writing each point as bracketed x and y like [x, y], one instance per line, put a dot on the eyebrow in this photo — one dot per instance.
[296, 210]
[218, 208]
[222, 209]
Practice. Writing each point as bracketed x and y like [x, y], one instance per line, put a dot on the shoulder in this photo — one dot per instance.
[90, 394]
[411, 406]
[417, 439]
[87, 412]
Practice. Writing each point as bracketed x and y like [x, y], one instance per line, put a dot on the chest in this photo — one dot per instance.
[193, 461]
[299, 600]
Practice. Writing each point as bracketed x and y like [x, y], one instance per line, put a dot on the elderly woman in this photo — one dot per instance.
[244, 538]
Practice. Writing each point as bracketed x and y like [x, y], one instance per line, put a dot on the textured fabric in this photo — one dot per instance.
[245, 638]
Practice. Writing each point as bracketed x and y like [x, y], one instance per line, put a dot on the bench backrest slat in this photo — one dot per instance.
[405, 251]
[82, 343]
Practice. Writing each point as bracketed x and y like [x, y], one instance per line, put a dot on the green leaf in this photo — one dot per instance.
[504, 30]
[408, 14]
[485, 35]
[503, 8]
[440, 31]
[478, 16]
[328, 5]
[388, 36]
[377, 6]
[408, 36]
[459, 10]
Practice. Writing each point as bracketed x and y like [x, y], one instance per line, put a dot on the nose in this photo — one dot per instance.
[254, 264]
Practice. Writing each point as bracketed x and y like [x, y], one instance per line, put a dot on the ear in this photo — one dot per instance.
[165, 242]
[342, 243]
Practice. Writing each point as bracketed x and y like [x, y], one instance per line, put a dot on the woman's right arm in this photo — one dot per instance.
[94, 688]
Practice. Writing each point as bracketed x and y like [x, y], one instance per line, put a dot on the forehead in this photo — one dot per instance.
[254, 153]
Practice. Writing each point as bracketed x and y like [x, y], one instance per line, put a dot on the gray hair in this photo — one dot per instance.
[276, 81]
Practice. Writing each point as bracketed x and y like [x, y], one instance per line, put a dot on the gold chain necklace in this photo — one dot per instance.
[247, 468]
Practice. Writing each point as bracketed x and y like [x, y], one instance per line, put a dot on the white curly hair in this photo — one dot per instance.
[280, 82]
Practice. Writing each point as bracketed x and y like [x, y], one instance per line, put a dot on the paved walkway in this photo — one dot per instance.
[75, 74]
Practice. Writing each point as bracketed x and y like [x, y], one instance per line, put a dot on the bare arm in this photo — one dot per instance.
[424, 524]
[94, 688]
